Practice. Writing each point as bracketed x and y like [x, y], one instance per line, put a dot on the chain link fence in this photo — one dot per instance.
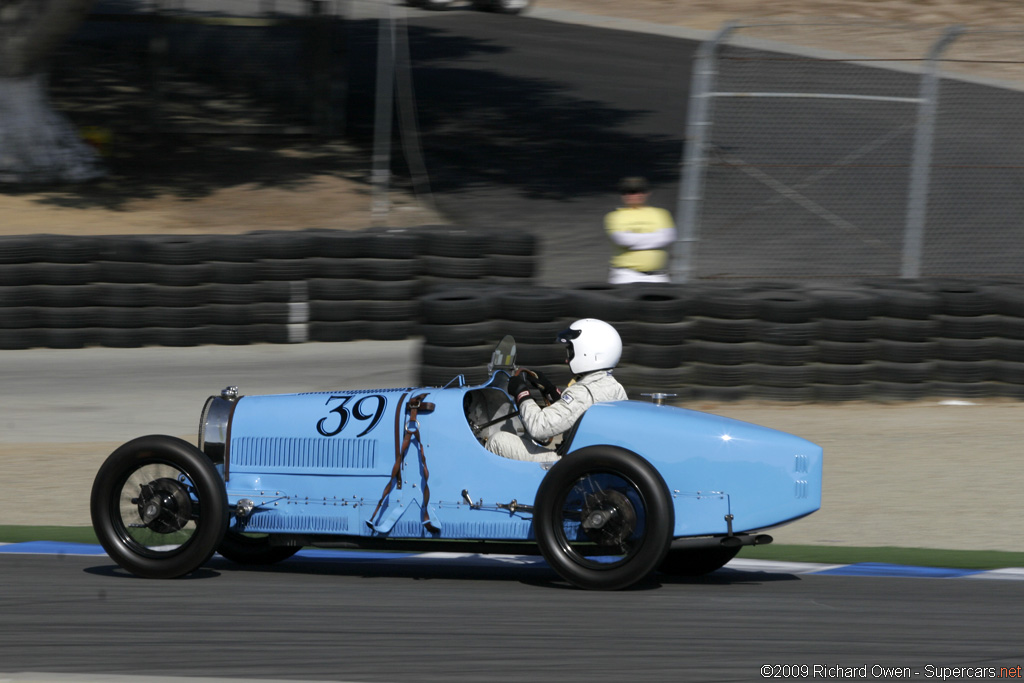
[901, 154]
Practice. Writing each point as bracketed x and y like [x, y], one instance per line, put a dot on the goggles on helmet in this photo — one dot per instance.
[565, 337]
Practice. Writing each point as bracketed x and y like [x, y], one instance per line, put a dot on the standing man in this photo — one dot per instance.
[640, 235]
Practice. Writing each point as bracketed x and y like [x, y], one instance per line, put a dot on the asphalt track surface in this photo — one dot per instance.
[422, 619]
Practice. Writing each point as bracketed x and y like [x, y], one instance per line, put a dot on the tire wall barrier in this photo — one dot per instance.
[461, 290]
[63, 291]
[783, 341]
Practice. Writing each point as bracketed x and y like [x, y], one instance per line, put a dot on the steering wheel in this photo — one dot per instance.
[531, 373]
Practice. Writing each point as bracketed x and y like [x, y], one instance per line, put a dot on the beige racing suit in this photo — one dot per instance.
[544, 423]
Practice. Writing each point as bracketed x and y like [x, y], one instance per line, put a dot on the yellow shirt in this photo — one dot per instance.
[639, 236]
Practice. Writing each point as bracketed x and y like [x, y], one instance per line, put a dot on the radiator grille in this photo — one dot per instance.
[298, 455]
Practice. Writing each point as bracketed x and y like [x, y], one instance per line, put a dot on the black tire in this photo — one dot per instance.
[842, 374]
[181, 531]
[392, 243]
[849, 330]
[794, 334]
[469, 334]
[968, 327]
[696, 561]
[456, 306]
[626, 501]
[436, 376]
[658, 356]
[785, 306]
[254, 550]
[723, 353]
[639, 379]
[784, 354]
[534, 304]
[458, 267]
[783, 376]
[842, 392]
[448, 242]
[722, 375]
[341, 289]
[903, 373]
[525, 332]
[906, 352]
[846, 352]
[597, 300]
[663, 334]
[657, 303]
[386, 268]
[456, 356]
[530, 355]
[726, 329]
[848, 304]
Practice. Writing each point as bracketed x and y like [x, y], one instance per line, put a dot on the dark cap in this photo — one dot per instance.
[633, 184]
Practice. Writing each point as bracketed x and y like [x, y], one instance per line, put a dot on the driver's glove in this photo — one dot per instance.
[518, 389]
[546, 386]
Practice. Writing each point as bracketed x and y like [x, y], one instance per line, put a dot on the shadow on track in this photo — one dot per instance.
[531, 573]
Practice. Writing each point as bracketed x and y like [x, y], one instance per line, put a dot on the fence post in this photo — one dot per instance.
[920, 166]
[320, 29]
[380, 176]
[694, 162]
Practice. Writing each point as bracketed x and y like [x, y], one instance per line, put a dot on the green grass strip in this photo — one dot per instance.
[823, 554]
[917, 557]
[64, 534]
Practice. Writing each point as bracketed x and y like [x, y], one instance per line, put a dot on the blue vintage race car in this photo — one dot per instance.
[636, 486]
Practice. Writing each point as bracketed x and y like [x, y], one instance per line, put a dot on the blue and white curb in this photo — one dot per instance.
[870, 569]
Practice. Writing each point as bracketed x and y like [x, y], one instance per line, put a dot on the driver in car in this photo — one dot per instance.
[593, 348]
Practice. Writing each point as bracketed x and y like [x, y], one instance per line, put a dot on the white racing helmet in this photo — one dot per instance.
[591, 344]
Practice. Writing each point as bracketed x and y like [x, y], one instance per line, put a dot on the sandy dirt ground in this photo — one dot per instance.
[919, 474]
[711, 14]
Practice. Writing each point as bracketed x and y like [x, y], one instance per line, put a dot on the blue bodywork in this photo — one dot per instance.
[320, 463]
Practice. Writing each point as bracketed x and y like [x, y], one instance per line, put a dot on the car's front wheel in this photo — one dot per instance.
[603, 518]
[159, 507]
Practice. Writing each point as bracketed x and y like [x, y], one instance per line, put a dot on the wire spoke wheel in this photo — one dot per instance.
[157, 503]
[159, 507]
[604, 518]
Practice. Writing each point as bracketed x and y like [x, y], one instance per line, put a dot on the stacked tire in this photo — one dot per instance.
[657, 346]
[780, 341]
[458, 335]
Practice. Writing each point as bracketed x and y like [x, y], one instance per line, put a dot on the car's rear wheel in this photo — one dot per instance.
[603, 518]
[697, 561]
[254, 550]
[159, 507]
